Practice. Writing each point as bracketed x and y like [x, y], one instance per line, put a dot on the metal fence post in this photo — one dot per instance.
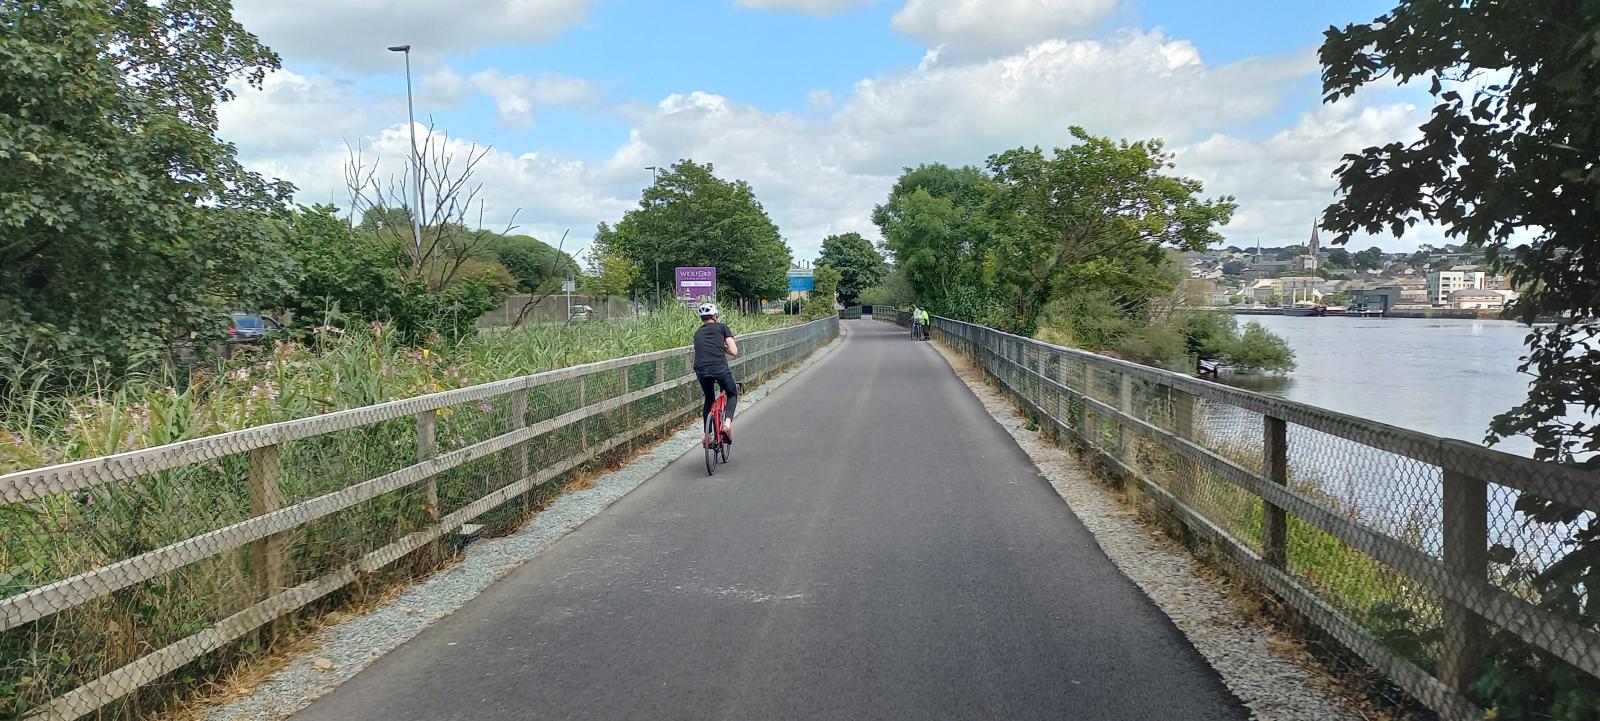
[1275, 526]
[1466, 538]
[267, 554]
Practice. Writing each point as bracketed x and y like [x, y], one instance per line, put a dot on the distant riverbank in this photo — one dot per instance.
[1444, 376]
[1448, 313]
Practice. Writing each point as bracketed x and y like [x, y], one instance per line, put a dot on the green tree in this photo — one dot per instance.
[381, 218]
[538, 267]
[1210, 335]
[860, 265]
[341, 276]
[125, 223]
[1369, 259]
[1257, 349]
[338, 273]
[935, 223]
[1340, 258]
[611, 275]
[824, 293]
[1507, 167]
[1098, 213]
[1292, 252]
[893, 290]
[1418, 259]
[690, 217]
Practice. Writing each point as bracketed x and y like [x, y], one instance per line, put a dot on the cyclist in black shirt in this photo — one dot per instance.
[713, 345]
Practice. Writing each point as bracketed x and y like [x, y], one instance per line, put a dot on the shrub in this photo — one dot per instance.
[1257, 349]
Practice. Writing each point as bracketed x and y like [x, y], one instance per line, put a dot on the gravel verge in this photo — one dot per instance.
[1257, 665]
[340, 651]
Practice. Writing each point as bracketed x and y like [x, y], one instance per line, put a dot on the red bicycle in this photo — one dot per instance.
[718, 448]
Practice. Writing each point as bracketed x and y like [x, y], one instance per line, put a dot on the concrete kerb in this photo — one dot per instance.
[343, 650]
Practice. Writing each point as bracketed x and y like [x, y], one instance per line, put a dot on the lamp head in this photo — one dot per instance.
[400, 48]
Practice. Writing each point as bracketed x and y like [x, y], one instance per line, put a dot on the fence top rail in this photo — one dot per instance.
[44, 481]
[1568, 483]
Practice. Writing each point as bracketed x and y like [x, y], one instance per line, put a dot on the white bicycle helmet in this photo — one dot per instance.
[708, 309]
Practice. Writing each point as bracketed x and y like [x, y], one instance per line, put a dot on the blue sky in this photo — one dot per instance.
[817, 103]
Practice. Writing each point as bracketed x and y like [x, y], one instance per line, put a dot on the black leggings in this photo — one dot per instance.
[710, 378]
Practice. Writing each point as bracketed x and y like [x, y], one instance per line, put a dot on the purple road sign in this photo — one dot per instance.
[696, 283]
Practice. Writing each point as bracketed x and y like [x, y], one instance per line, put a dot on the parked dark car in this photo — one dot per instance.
[251, 326]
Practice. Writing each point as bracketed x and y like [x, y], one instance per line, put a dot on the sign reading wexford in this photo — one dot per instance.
[696, 283]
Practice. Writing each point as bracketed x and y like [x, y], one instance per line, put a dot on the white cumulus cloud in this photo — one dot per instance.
[295, 113]
[1284, 182]
[356, 33]
[516, 95]
[981, 28]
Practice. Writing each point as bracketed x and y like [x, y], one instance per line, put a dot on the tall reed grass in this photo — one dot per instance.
[332, 371]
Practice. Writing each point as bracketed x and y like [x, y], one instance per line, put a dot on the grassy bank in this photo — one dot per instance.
[48, 539]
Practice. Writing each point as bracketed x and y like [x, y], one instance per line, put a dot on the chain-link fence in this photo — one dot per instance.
[1463, 574]
[127, 577]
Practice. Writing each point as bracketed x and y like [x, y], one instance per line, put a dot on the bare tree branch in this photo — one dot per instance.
[446, 242]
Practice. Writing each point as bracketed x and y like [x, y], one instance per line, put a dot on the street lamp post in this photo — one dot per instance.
[416, 161]
[653, 169]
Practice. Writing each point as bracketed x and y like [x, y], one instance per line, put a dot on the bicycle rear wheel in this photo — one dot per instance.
[710, 447]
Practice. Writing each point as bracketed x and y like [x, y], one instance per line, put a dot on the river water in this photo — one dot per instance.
[1442, 377]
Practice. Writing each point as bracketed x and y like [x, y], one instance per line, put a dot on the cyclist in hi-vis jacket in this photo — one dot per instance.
[713, 345]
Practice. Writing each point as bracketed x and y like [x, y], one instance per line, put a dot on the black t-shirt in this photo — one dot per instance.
[710, 352]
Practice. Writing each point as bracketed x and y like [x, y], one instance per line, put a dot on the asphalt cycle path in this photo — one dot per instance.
[878, 548]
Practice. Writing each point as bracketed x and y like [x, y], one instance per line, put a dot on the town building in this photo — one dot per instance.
[1264, 289]
[1441, 283]
[1301, 287]
[1381, 298]
[1313, 257]
[1474, 299]
[1258, 265]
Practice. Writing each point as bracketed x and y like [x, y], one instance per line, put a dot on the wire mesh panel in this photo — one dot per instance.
[117, 571]
[1458, 571]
